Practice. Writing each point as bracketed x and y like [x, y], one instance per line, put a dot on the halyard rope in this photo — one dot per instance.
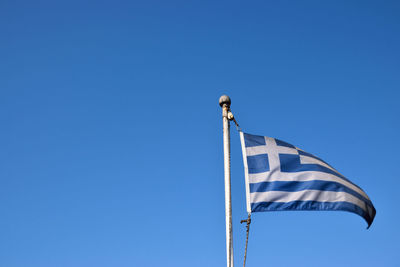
[248, 221]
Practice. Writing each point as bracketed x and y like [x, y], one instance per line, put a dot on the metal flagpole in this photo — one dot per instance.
[225, 103]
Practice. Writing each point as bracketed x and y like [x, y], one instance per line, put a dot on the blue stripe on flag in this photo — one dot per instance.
[282, 143]
[258, 163]
[301, 152]
[291, 163]
[253, 140]
[295, 186]
[312, 205]
[318, 167]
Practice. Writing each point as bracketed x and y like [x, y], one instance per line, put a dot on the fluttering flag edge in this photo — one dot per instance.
[314, 206]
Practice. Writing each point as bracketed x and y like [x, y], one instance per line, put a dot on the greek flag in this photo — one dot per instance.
[280, 176]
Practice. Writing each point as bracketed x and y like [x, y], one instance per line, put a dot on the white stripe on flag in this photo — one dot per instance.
[302, 177]
[309, 160]
[307, 195]
[257, 150]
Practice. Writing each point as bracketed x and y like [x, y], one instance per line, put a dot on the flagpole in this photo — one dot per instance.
[225, 103]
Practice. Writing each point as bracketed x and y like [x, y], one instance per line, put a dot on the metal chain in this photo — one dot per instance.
[248, 221]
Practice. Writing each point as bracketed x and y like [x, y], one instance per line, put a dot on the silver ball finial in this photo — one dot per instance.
[224, 100]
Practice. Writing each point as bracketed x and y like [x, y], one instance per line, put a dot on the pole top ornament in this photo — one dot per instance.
[225, 100]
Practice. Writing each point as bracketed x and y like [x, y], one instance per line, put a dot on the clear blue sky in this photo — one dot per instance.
[111, 133]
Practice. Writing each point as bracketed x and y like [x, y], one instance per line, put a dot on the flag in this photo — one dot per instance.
[280, 176]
